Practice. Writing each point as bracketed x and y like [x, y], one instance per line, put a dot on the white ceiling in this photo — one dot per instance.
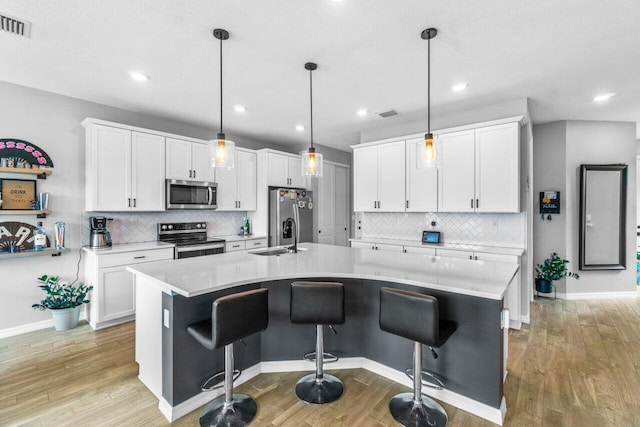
[559, 54]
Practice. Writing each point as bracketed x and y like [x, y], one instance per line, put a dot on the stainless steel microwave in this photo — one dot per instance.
[182, 194]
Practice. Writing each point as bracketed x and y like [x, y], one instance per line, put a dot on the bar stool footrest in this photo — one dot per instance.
[216, 381]
[432, 381]
[326, 357]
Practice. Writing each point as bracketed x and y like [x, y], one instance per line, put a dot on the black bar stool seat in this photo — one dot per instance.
[233, 317]
[416, 317]
[318, 303]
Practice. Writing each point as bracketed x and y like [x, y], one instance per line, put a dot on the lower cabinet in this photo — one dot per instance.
[245, 245]
[377, 246]
[113, 295]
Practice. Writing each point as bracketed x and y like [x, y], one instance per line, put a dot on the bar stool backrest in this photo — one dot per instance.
[237, 316]
[410, 315]
[317, 303]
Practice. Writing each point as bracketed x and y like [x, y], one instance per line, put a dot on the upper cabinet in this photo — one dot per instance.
[480, 170]
[188, 160]
[285, 170]
[379, 177]
[122, 172]
[237, 186]
[421, 182]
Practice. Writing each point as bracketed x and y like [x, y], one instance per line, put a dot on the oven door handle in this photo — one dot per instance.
[199, 247]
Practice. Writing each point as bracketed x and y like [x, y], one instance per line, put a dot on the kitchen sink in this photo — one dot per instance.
[275, 251]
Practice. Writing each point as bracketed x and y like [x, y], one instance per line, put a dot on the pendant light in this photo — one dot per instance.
[311, 161]
[223, 149]
[430, 156]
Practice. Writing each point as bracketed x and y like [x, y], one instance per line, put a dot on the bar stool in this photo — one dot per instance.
[318, 303]
[233, 317]
[415, 316]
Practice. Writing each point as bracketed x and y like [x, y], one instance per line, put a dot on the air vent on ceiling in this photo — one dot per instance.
[14, 25]
[388, 113]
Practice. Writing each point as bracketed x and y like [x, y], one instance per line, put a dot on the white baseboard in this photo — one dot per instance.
[526, 319]
[495, 415]
[515, 324]
[30, 327]
[597, 295]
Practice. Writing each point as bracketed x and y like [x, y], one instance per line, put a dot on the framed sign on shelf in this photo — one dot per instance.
[17, 194]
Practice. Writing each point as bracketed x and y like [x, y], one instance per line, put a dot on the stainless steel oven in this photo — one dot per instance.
[182, 194]
[190, 238]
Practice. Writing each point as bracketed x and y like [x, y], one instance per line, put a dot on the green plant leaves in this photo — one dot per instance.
[554, 268]
[61, 294]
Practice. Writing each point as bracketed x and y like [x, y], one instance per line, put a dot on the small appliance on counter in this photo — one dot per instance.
[100, 236]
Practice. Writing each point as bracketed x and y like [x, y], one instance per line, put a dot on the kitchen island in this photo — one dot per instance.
[171, 295]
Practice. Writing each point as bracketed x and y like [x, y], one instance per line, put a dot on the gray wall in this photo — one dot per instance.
[52, 122]
[559, 150]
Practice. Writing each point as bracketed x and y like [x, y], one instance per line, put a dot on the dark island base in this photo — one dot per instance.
[470, 363]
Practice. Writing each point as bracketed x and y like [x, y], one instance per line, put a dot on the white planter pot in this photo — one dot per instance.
[65, 318]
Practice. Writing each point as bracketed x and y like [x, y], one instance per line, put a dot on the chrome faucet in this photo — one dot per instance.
[295, 235]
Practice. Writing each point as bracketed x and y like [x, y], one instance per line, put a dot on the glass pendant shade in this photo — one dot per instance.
[431, 153]
[311, 163]
[224, 152]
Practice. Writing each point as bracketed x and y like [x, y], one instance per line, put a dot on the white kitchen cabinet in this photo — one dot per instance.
[285, 170]
[379, 177]
[245, 245]
[122, 172]
[512, 297]
[237, 187]
[419, 250]
[363, 245]
[480, 170]
[421, 182]
[113, 295]
[377, 246]
[188, 160]
[453, 253]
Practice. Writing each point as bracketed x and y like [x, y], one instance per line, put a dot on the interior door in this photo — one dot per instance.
[341, 203]
[326, 206]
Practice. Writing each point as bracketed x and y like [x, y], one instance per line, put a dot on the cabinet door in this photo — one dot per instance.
[498, 168]
[295, 172]
[278, 170]
[148, 182]
[389, 248]
[246, 166]
[326, 206]
[363, 245]
[512, 296]
[201, 159]
[341, 202]
[365, 179]
[227, 180]
[419, 250]
[116, 293]
[391, 176]
[422, 182]
[451, 253]
[457, 176]
[178, 159]
[109, 170]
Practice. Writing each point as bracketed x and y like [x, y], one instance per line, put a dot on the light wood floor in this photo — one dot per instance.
[577, 364]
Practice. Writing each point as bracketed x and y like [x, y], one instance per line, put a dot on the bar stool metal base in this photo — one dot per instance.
[408, 412]
[238, 413]
[319, 391]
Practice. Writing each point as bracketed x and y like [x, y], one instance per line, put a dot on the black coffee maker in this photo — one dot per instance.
[100, 237]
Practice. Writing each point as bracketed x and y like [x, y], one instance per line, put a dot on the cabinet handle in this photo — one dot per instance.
[345, 229]
[404, 251]
[471, 203]
[373, 247]
[319, 231]
[407, 204]
[139, 257]
[238, 203]
[190, 174]
[235, 246]
[379, 203]
[134, 203]
[257, 243]
[375, 204]
[129, 203]
[476, 257]
[471, 257]
[194, 173]
[477, 203]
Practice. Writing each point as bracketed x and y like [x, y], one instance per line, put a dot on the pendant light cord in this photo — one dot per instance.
[311, 102]
[221, 131]
[429, 85]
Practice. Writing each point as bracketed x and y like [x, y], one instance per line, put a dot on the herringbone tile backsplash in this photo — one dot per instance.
[143, 226]
[506, 230]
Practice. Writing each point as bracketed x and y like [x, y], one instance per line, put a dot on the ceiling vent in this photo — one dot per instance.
[14, 25]
[388, 113]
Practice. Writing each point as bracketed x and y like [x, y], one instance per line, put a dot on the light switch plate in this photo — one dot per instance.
[166, 320]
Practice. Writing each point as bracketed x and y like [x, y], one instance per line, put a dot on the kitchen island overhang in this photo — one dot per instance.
[171, 295]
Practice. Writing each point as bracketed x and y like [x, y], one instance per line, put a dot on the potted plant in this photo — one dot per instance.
[64, 300]
[552, 268]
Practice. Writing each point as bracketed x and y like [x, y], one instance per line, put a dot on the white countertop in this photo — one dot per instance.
[238, 237]
[197, 276]
[458, 246]
[129, 247]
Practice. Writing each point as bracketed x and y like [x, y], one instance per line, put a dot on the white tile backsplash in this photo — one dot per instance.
[506, 230]
[128, 227]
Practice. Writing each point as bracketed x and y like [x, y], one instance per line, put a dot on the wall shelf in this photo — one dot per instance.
[39, 214]
[31, 252]
[40, 173]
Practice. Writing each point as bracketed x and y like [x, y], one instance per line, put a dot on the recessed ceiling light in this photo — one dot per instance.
[299, 128]
[239, 108]
[138, 76]
[604, 97]
[459, 86]
[362, 112]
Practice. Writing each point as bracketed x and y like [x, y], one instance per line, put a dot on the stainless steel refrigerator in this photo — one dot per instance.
[285, 205]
